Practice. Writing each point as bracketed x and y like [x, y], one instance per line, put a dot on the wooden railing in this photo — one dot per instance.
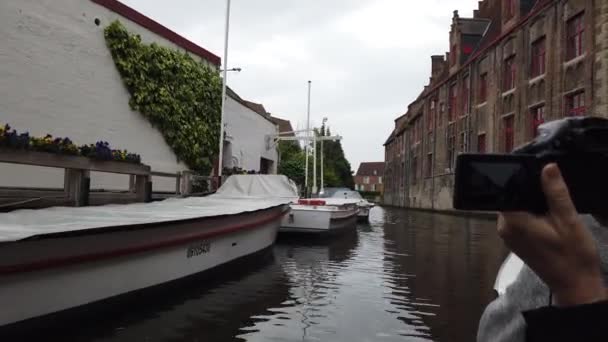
[77, 172]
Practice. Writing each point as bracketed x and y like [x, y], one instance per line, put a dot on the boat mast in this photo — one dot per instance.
[314, 163]
[307, 141]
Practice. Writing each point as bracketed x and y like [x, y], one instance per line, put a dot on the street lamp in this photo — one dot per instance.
[224, 84]
[233, 69]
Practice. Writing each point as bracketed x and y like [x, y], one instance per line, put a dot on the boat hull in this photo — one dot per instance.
[62, 271]
[310, 220]
[363, 214]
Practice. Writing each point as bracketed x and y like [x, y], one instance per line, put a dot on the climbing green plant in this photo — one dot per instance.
[180, 96]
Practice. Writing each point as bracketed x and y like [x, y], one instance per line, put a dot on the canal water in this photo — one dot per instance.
[405, 276]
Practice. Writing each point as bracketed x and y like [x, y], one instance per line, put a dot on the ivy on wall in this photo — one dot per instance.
[180, 96]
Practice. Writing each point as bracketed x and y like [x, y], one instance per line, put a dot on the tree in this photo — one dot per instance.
[293, 166]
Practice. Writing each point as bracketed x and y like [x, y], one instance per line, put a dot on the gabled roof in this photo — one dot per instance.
[368, 168]
[161, 30]
[284, 125]
[473, 26]
[256, 107]
[231, 93]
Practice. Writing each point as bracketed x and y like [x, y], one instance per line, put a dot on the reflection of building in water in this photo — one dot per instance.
[452, 261]
[207, 308]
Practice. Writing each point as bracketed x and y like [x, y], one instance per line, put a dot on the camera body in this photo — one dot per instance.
[511, 182]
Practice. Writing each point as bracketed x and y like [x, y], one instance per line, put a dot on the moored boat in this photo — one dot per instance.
[364, 205]
[320, 216]
[60, 258]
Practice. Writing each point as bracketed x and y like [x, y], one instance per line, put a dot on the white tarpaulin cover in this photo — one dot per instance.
[239, 194]
[261, 186]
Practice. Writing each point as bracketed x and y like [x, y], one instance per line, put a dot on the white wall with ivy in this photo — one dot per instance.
[58, 77]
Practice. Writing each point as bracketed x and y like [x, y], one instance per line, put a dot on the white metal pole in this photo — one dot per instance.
[224, 85]
[307, 139]
[322, 187]
[314, 163]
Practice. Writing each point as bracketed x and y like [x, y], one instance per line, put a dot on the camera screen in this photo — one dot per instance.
[492, 183]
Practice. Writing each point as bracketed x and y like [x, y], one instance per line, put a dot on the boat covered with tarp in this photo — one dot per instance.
[64, 257]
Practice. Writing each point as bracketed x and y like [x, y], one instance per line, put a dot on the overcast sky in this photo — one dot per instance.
[367, 59]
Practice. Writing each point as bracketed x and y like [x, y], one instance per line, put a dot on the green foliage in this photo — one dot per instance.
[336, 164]
[293, 166]
[180, 96]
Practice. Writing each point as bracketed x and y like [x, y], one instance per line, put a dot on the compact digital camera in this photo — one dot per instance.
[511, 182]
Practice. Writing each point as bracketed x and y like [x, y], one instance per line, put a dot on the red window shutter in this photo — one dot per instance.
[575, 32]
[537, 118]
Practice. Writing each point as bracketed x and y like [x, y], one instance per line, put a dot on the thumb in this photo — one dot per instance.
[557, 195]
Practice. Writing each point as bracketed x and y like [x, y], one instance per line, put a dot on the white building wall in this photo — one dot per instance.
[57, 76]
[247, 131]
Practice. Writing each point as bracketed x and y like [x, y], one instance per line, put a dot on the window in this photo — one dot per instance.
[453, 93]
[451, 144]
[453, 55]
[508, 133]
[481, 143]
[380, 180]
[418, 127]
[401, 176]
[373, 187]
[509, 74]
[483, 87]
[510, 8]
[431, 115]
[575, 43]
[375, 172]
[366, 180]
[575, 104]
[465, 96]
[538, 58]
[537, 117]
[429, 165]
[414, 166]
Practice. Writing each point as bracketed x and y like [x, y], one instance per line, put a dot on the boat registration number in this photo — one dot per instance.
[198, 249]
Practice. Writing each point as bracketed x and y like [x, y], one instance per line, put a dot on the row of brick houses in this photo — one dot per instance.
[512, 66]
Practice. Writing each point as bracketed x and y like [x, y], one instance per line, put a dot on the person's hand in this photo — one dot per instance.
[556, 246]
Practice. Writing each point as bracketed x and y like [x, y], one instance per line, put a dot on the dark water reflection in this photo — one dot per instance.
[407, 276]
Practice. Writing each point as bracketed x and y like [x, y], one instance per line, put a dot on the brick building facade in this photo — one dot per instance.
[369, 177]
[514, 65]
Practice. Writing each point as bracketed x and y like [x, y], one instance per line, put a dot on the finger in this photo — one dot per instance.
[558, 197]
[525, 229]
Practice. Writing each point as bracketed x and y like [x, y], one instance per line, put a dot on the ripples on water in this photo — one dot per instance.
[407, 276]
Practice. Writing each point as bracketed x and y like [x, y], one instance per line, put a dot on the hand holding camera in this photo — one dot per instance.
[556, 245]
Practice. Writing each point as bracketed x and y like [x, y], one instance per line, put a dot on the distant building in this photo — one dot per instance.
[246, 145]
[369, 177]
[512, 66]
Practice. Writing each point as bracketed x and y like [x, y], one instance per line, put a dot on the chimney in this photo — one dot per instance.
[476, 13]
[437, 62]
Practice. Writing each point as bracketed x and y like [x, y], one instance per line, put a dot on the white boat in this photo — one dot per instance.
[364, 205]
[320, 216]
[60, 258]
